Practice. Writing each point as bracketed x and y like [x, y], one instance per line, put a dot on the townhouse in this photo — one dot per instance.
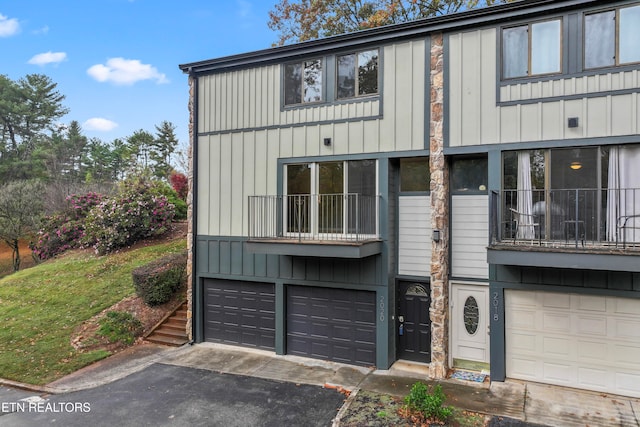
[460, 191]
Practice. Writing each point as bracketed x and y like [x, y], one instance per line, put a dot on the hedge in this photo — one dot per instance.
[157, 281]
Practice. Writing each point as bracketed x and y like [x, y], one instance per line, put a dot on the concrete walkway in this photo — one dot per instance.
[530, 402]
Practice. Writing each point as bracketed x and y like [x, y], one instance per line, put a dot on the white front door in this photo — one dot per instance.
[470, 326]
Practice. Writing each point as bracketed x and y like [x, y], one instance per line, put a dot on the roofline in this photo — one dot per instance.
[443, 23]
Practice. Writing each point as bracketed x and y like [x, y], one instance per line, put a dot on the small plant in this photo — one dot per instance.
[427, 402]
[120, 326]
[382, 414]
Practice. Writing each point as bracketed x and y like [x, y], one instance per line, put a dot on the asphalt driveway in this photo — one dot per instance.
[167, 395]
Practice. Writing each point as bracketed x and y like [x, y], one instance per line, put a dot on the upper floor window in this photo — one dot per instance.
[303, 82]
[611, 37]
[357, 74]
[531, 49]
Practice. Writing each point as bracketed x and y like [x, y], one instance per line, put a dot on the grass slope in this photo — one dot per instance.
[41, 306]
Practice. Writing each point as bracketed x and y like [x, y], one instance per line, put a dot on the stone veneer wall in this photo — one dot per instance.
[438, 312]
[190, 196]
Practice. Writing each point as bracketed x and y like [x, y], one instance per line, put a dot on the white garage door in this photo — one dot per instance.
[582, 341]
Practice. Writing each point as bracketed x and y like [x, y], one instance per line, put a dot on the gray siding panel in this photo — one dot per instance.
[227, 256]
[608, 281]
[469, 236]
[484, 110]
[414, 236]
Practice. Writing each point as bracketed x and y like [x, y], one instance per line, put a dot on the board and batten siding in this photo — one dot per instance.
[414, 236]
[251, 98]
[469, 236]
[242, 132]
[536, 110]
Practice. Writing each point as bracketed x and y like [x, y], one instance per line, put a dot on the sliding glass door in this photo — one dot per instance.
[331, 198]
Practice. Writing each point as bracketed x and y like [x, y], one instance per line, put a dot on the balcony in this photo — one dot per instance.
[576, 228]
[324, 225]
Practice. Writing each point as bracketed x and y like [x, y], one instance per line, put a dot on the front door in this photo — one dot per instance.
[413, 324]
[470, 326]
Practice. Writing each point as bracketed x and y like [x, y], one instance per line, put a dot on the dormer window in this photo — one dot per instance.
[532, 49]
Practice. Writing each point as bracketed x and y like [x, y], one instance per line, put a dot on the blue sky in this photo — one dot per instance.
[116, 61]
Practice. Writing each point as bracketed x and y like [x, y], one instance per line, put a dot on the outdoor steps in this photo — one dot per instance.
[172, 329]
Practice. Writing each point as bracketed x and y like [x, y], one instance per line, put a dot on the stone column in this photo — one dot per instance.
[190, 197]
[439, 310]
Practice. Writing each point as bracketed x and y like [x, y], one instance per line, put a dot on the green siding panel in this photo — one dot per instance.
[225, 257]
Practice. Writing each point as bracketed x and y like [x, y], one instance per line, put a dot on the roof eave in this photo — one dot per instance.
[451, 22]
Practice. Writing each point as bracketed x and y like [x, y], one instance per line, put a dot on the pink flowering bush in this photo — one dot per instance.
[136, 213]
[65, 230]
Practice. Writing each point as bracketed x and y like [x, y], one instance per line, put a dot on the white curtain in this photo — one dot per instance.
[525, 197]
[623, 194]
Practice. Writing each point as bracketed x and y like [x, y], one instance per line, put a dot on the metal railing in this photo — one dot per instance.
[331, 217]
[573, 217]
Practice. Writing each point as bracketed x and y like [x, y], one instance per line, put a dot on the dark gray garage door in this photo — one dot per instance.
[331, 324]
[239, 313]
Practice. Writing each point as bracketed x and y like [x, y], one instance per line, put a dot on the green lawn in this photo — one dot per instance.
[41, 306]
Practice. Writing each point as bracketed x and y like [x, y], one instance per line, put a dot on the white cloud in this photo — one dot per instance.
[43, 30]
[8, 27]
[48, 58]
[122, 71]
[99, 124]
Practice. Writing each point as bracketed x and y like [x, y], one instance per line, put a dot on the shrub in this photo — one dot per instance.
[157, 281]
[134, 214]
[120, 326]
[180, 207]
[65, 230]
[428, 402]
[180, 183]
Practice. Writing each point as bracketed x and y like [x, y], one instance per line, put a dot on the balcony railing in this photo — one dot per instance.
[579, 218]
[314, 217]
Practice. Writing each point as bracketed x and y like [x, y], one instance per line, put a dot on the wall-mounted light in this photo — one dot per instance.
[436, 235]
[327, 142]
[575, 165]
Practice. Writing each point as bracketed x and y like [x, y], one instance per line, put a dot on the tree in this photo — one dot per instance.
[163, 146]
[301, 20]
[140, 145]
[21, 208]
[29, 108]
[102, 162]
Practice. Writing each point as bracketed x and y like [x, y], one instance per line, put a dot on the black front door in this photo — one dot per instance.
[413, 325]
